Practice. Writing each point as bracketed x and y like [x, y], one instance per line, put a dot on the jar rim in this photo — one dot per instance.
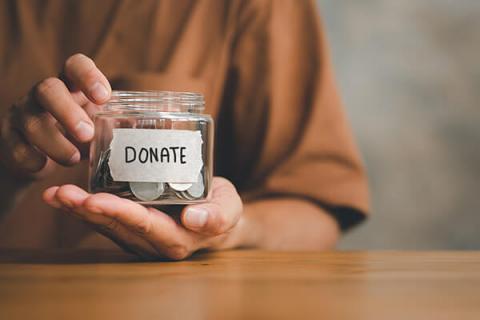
[172, 101]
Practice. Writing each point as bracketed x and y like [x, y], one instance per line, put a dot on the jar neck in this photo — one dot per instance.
[155, 101]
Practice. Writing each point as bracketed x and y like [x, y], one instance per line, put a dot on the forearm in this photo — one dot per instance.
[286, 224]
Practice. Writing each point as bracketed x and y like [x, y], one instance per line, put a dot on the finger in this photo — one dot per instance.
[127, 240]
[71, 197]
[17, 153]
[219, 214]
[53, 95]
[156, 227]
[83, 74]
[108, 211]
[49, 197]
[41, 131]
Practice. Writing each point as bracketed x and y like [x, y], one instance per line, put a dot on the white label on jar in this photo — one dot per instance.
[155, 155]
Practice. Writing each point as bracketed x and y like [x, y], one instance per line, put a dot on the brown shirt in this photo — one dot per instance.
[262, 65]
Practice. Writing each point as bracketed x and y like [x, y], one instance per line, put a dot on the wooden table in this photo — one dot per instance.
[241, 285]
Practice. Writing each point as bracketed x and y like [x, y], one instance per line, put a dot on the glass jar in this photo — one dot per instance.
[153, 147]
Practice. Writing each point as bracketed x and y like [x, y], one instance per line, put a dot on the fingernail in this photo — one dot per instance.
[75, 158]
[84, 131]
[99, 92]
[196, 217]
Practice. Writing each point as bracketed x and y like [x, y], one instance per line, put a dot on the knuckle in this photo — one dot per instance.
[112, 225]
[20, 153]
[92, 204]
[143, 227]
[63, 193]
[178, 252]
[47, 86]
[32, 124]
[26, 159]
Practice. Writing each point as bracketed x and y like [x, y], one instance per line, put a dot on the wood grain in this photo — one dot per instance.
[241, 285]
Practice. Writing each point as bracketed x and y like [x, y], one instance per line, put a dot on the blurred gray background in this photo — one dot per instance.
[409, 73]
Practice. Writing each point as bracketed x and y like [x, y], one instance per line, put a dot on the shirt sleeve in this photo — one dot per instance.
[285, 129]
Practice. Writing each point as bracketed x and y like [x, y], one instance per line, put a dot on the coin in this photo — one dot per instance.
[147, 191]
[179, 186]
[197, 189]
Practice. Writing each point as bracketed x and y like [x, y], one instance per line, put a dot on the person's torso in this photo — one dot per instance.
[139, 45]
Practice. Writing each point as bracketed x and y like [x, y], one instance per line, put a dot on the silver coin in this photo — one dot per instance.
[197, 189]
[147, 124]
[147, 191]
[179, 186]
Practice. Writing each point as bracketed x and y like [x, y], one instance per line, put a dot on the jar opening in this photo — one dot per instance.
[155, 101]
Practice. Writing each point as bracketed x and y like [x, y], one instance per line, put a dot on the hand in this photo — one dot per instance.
[52, 122]
[151, 233]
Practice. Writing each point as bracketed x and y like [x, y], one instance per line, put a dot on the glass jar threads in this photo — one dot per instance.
[153, 147]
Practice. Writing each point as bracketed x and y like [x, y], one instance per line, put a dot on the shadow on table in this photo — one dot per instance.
[75, 256]
[64, 256]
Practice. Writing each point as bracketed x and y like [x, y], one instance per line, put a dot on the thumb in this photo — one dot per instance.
[219, 214]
